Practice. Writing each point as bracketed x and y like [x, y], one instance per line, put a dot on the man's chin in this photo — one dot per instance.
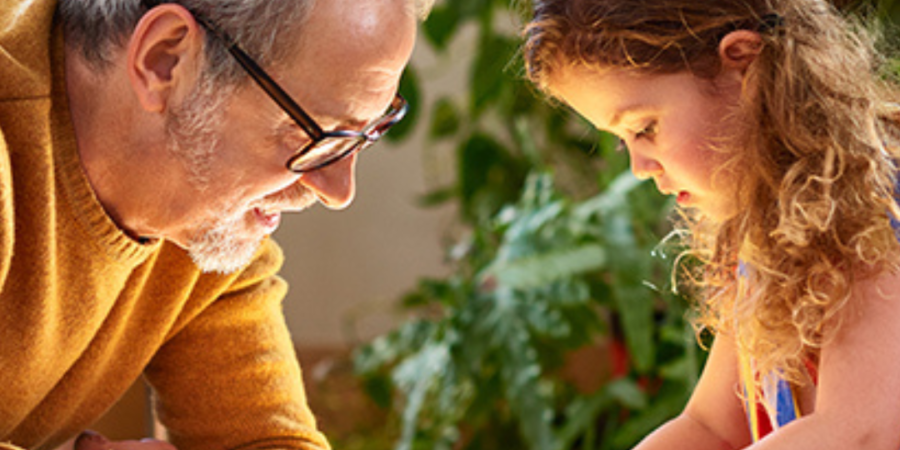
[229, 244]
[225, 248]
[225, 259]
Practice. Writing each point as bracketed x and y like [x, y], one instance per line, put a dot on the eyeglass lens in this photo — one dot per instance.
[341, 144]
[324, 152]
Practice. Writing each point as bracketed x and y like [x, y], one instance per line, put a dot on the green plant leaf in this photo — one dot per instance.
[409, 88]
[540, 270]
[437, 197]
[415, 376]
[379, 389]
[441, 25]
[615, 197]
[627, 392]
[635, 308]
[525, 139]
[445, 119]
[580, 415]
[488, 176]
[384, 350]
[489, 76]
[521, 371]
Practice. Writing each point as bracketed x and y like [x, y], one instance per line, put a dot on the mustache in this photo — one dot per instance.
[295, 197]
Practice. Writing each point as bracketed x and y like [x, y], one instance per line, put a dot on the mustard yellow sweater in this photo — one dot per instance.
[85, 310]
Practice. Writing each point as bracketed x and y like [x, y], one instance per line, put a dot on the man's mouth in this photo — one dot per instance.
[268, 219]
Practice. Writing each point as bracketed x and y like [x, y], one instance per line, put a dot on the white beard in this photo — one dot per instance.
[222, 246]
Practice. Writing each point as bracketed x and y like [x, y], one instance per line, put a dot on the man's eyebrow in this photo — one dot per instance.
[353, 124]
[331, 124]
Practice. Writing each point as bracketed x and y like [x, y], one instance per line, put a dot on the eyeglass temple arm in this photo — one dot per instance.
[275, 92]
[268, 85]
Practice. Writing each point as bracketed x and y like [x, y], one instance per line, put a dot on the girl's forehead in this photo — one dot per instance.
[614, 83]
[601, 89]
[594, 77]
[609, 83]
[613, 99]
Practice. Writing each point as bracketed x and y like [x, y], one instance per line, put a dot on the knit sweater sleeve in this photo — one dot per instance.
[7, 216]
[230, 379]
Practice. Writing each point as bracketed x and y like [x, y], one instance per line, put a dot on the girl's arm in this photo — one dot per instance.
[858, 396]
[714, 417]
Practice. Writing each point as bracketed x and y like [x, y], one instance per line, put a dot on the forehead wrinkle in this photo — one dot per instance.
[346, 112]
[326, 122]
[351, 112]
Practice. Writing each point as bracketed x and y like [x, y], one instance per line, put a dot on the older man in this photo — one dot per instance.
[147, 150]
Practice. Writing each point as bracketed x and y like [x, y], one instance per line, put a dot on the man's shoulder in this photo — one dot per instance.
[25, 48]
[264, 266]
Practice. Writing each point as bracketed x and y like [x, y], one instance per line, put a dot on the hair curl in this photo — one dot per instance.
[816, 150]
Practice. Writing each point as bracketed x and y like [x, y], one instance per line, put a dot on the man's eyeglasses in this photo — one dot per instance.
[324, 147]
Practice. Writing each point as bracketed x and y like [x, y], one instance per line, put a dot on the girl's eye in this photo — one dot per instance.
[647, 132]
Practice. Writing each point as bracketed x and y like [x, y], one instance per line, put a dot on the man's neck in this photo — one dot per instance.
[98, 105]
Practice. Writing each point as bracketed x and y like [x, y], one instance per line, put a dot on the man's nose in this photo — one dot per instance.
[645, 168]
[335, 184]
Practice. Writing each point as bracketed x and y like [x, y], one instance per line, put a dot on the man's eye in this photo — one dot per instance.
[294, 139]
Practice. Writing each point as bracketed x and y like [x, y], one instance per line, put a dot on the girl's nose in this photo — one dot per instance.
[645, 168]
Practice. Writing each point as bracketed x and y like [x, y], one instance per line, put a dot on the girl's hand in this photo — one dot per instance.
[89, 440]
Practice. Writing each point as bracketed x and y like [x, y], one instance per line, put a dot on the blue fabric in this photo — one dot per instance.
[786, 411]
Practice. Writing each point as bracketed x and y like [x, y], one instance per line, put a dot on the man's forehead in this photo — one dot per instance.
[361, 27]
[350, 112]
[364, 35]
[350, 59]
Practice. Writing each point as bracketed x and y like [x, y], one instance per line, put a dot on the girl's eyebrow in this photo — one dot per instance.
[621, 113]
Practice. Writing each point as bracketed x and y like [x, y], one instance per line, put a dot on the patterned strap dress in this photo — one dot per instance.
[774, 404]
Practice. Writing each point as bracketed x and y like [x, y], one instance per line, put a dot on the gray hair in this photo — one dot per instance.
[264, 28]
[421, 8]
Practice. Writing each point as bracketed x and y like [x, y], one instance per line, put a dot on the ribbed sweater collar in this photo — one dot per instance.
[73, 180]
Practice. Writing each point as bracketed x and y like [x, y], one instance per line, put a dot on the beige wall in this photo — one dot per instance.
[353, 265]
[348, 268]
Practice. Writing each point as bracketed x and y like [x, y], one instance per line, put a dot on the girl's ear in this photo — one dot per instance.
[739, 48]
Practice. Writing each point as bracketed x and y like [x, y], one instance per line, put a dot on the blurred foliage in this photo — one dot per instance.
[482, 368]
[562, 252]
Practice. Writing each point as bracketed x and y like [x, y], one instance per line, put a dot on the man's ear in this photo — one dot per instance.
[738, 49]
[162, 52]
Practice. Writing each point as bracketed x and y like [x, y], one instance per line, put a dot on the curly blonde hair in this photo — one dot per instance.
[816, 154]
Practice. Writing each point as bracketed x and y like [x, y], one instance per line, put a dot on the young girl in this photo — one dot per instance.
[768, 122]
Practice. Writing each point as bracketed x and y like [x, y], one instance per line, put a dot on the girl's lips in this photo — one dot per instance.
[268, 220]
[684, 198]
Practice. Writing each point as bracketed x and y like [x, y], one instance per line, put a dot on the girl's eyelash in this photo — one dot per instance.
[648, 131]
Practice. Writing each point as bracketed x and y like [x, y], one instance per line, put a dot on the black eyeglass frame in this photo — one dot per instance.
[361, 139]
